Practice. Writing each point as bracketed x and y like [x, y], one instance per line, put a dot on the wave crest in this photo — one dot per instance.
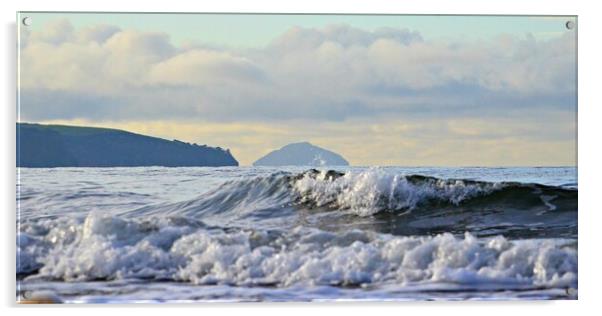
[364, 193]
[372, 191]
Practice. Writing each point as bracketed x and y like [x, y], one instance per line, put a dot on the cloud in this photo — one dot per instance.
[97, 33]
[55, 32]
[333, 73]
[101, 59]
[204, 67]
[56, 105]
[307, 39]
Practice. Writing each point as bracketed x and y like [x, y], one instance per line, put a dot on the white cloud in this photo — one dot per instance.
[205, 68]
[328, 74]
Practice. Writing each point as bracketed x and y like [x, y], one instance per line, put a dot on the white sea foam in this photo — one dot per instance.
[29, 250]
[373, 190]
[105, 247]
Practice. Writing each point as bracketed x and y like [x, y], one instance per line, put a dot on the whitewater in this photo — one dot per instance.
[154, 234]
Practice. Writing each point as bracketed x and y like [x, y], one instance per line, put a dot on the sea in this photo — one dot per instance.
[227, 234]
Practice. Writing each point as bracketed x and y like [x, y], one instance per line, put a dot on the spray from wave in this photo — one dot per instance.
[367, 193]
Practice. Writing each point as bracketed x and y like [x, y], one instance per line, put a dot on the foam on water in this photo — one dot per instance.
[105, 247]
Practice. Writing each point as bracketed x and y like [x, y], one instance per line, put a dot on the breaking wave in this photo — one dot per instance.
[374, 191]
[368, 193]
[104, 247]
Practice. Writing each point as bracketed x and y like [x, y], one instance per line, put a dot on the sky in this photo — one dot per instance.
[377, 89]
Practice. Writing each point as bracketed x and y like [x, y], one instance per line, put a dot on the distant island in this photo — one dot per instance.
[45, 146]
[301, 154]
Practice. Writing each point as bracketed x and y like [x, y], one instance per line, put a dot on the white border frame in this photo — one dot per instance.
[589, 128]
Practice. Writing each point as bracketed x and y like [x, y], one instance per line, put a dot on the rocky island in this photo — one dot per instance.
[301, 154]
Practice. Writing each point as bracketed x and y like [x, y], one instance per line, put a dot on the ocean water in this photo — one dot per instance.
[155, 234]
